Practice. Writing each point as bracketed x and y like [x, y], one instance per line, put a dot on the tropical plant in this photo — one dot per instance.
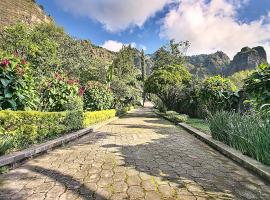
[257, 86]
[57, 91]
[97, 96]
[17, 87]
[218, 93]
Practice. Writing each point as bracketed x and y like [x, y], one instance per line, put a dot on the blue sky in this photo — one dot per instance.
[209, 25]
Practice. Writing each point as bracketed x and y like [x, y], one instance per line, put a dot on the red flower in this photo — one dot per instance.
[81, 91]
[23, 62]
[58, 76]
[5, 62]
[70, 82]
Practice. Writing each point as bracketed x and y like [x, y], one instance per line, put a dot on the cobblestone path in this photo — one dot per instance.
[139, 156]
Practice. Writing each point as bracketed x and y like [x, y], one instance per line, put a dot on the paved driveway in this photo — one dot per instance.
[139, 156]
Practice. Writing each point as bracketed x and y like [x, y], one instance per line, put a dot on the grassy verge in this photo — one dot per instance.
[199, 124]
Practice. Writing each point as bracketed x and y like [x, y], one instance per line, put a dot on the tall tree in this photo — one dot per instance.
[143, 73]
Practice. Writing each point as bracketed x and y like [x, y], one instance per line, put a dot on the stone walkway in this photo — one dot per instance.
[139, 156]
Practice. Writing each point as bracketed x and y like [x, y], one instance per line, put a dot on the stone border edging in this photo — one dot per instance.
[255, 166]
[39, 148]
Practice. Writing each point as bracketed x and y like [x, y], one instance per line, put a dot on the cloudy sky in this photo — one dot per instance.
[209, 25]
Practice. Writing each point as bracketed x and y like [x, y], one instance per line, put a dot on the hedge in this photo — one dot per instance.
[97, 116]
[19, 129]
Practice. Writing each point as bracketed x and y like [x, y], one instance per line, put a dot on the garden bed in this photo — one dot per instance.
[21, 129]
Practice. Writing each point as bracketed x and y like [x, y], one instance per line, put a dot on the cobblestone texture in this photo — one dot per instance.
[139, 156]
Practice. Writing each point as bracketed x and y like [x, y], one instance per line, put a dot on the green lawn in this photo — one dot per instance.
[199, 124]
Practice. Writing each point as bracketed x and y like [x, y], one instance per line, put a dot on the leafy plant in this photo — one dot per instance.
[57, 92]
[218, 93]
[246, 133]
[97, 97]
[17, 87]
[257, 86]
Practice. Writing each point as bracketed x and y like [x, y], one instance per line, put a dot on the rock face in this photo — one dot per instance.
[247, 59]
[205, 64]
[219, 63]
[26, 11]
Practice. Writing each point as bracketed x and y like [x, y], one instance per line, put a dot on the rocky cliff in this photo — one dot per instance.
[26, 11]
[219, 63]
[204, 64]
[247, 59]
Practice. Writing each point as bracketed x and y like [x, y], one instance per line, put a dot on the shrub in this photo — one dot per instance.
[97, 116]
[17, 89]
[19, 129]
[218, 93]
[257, 85]
[97, 96]
[246, 133]
[57, 92]
[124, 110]
[174, 116]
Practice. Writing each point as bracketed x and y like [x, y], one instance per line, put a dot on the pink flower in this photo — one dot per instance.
[23, 62]
[81, 91]
[5, 62]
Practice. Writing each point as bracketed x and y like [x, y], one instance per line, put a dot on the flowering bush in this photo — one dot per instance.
[57, 92]
[17, 89]
[218, 93]
[97, 97]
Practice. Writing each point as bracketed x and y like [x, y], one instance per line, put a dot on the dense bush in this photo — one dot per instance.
[35, 43]
[19, 129]
[257, 85]
[57, 91]
[218, 93]
[97, 96]
[247, 133]
[17, 87]
[98, 116]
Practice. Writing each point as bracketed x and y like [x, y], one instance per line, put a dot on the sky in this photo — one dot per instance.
[209, 25]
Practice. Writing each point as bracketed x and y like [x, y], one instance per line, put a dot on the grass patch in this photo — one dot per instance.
[200, 124]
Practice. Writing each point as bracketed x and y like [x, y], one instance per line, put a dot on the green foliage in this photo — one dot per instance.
[124, 110]
[97, 97]
[170, 54]
[166, 82]
[239, 77]
[19, 129]
[126, 87]
[246, 133]
[57, 92]
[175, 117]
[98, 116]
[257, 86]
[34, 43]
[200, 124]
[17, 88]
[218, 93]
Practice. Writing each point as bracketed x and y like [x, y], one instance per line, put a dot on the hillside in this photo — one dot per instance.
[219, 63]
[27, 11]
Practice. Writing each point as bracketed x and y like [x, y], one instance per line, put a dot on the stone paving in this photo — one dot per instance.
[139, 156]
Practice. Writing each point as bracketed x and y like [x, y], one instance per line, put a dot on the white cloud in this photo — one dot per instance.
[112, 45]
[115, 15]
[115, 46]
[214, 26]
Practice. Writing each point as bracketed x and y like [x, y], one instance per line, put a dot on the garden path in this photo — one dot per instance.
[139, 156]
